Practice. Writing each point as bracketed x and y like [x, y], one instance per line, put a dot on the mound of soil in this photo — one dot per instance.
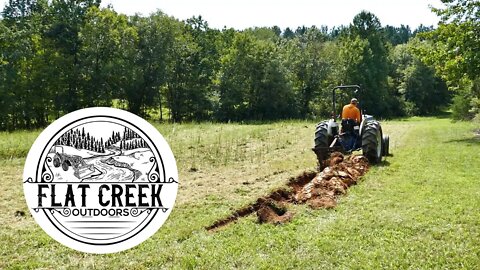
[333, 181]
[318, 190]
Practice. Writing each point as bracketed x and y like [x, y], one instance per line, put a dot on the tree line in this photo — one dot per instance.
[61, 55]
[81, 140]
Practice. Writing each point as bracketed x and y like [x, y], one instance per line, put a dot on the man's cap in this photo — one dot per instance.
[354, 101]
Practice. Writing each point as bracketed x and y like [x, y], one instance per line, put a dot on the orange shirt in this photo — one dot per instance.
[351, 111]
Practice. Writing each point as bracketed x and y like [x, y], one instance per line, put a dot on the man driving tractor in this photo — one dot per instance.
[351, 119]
[350, 111]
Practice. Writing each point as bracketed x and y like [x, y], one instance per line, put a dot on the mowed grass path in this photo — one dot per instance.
[419, 209]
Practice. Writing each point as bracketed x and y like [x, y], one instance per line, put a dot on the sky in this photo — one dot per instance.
[102, 129]
[241, 14]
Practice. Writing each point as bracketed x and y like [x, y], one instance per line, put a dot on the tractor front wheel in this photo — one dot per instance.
[372, 142]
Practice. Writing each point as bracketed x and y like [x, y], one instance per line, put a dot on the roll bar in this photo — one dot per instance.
[353, 86]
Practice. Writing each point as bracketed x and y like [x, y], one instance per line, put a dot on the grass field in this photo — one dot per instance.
[419, 209]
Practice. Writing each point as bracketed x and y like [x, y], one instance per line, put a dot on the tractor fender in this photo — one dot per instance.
[57, 155]
[366, 118]
[332, 128]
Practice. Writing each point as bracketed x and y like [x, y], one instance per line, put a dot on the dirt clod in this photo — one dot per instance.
[317, 189]
[322, 202]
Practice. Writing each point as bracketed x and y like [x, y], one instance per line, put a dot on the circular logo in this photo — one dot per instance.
[100, 180]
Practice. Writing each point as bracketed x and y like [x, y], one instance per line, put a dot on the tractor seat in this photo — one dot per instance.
[348, 125]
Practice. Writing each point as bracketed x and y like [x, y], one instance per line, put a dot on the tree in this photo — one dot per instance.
[277, 30]
[64, 44]
[156, 37]
[308, 68]
[252, 82]
[189, 89]
[459, 32]
[363, 56]
[102, 38]
[288, 33]
[422, 29]
[398, 35]
[455, 50]
[416, 83]
[25, 101]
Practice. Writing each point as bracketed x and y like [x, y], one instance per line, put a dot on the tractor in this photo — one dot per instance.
[368, 136]
[80, 168]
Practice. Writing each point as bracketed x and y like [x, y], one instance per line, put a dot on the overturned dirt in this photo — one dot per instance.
[318, 190]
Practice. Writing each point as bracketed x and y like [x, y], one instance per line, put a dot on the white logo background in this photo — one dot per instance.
[100, 180]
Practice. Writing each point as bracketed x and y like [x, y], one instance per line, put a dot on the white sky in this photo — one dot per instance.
[102, 129]
[241, 14]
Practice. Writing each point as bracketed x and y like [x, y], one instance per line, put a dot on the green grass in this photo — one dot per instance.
[418, 210]
[16, 144]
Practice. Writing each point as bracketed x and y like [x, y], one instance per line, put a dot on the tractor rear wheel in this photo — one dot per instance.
[56, 162]
[65, 166]
[321, 135]
[372, 142]
[321, 142]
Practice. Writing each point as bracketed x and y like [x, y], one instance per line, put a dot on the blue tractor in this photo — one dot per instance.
[349, 136]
